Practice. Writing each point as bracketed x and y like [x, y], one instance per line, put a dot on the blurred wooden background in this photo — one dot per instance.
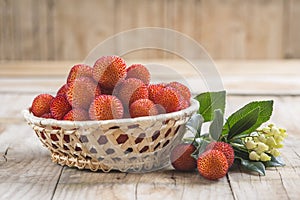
[228, 29]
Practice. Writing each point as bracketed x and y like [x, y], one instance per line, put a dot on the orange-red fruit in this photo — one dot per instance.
[59, 106]
[142, 107]
[80, 70]
[47, 116]
[183, 90]
[109, 70]
[126, 90]
[106, 107]
[77, 114]
[212, 164]
[153, 89]
[81, 92]
[225, 148]
[139, 93]
[181, 158]
[169, 98]
[62, 90]
[183, 103]
[138, 71]
[41, 104]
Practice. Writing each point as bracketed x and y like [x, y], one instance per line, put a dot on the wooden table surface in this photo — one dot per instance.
[26, 170]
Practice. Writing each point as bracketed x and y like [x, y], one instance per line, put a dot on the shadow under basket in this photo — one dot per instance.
[129, 145]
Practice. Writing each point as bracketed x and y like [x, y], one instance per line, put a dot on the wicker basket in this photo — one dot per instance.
[128, 145]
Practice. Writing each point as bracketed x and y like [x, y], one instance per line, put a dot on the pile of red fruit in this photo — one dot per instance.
[110, 90]
[212, 164]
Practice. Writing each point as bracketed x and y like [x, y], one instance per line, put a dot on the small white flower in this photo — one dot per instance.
[264, 157]
[254, 156]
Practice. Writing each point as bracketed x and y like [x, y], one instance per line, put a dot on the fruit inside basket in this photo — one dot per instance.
[110, 116]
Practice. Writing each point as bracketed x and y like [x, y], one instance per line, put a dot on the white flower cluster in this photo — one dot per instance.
[265, 141]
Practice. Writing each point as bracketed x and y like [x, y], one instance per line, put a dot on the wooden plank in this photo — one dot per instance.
[244, 36]
[27, 171]
[79, 27]
[145, 14]
[224, 19]
[7, 17]
[165, 183]
[39, 27]
[278, 77]
[293, 29]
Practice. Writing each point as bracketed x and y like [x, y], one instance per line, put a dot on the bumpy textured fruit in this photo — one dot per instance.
[81, 92]
[47, 116]
[138, 71]
[106, 107]
[77, 114]
[41, 104]
[126, 90]
[62, 90]
[59, 107]
[181, 158]
[225, 148]
[139, 93]
[183, 90]
[153, 89]
[183, 103]
[212, 164]
[143, 107]
[79, 70]
[109, 70]
[169, 98]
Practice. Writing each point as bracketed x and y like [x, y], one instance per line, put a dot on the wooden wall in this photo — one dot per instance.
[228, 29]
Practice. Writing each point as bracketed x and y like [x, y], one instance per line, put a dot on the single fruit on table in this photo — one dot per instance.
[59, 106]
[81, 92]
[169, 98]
[138, 71]
[41, 104]
[225, 148]
[183, 90]
[79, 70]
[127, 89]
[77, 114]
[143, 107]
[153, 89]
[105, 107]
[212, 164]
[181, 158]
[109, 70]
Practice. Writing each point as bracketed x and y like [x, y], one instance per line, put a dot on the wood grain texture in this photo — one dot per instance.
[59, 30]
[276, 77]
[26, 170]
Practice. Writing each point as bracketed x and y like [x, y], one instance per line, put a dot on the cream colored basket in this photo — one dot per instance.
[128, 145]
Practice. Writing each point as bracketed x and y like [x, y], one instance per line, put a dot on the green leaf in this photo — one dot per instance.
[265, 112]
[216, 126]
[210, 101]
[274, 162]
[254, 166]
[201, 146]
[240, 154]
[243, 124]
[195, 124]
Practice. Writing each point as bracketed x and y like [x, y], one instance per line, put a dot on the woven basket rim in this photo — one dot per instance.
[53, 122]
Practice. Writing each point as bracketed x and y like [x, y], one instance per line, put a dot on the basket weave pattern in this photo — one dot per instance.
[128, 145]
